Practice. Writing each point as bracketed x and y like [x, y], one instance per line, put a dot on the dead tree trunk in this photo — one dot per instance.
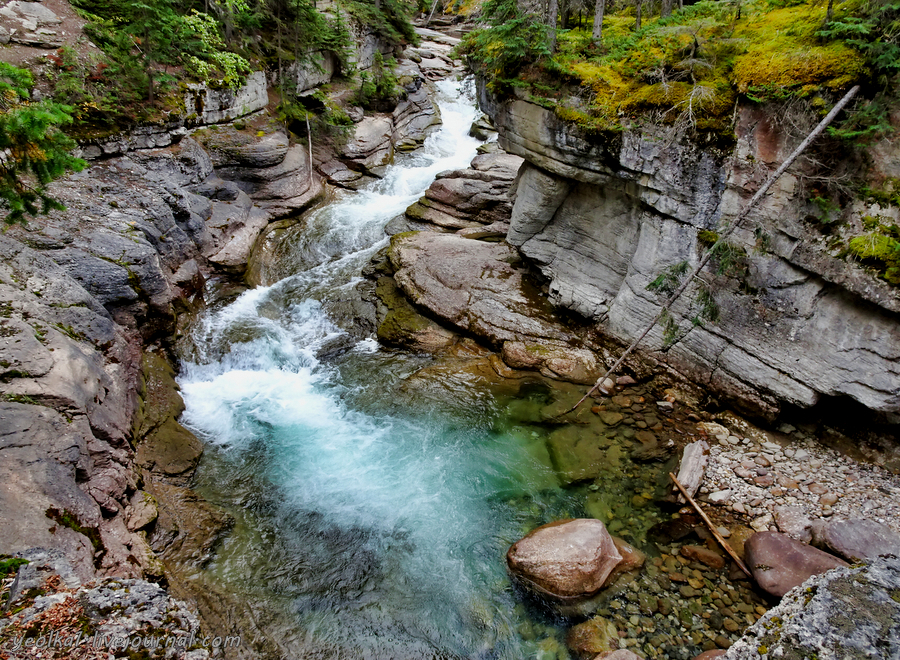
[599, 10]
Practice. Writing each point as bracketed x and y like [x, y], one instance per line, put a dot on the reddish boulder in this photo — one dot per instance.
[780, 563]
[565, 560]
[855, 540]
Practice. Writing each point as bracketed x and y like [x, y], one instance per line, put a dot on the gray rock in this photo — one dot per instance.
[855, 540]
[228, 146]
[794, 521]
[464, 199]
[211, 106]
[370, 145]
[414, 118]
[473, 285]
[42, 454]
[845, 613]
[603, 218]
[311, 70]
[780, 563]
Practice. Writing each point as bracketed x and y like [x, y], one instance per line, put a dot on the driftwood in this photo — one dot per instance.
[723, 237]
[712, 528]
[693, 464]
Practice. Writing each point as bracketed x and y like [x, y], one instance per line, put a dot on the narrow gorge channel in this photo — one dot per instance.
[373, 517]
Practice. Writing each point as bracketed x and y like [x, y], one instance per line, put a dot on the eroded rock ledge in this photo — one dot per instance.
[601, 218]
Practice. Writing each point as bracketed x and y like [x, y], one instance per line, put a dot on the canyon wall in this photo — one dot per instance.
[603, 216]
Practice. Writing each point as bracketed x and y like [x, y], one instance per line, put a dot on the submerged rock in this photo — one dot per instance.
[565, 560]
[594, 636]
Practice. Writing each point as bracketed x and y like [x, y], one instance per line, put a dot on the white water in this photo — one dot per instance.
[379, 526]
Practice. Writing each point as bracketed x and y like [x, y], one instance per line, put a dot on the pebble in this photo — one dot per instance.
[815, 478]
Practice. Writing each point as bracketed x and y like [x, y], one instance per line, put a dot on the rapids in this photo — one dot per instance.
[373, 523]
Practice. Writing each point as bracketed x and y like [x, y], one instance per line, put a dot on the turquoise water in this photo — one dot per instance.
[372, 517]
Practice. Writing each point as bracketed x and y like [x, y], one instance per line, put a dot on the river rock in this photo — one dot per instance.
[794, 521]
[370, 145]
[399, 324]
[467, 198]
[165, 444]
[703, 555]
[476, 286]
[693, 464]
[564, 560]
[282, 189]
[560, 362]
[414, 118]
[632, 559]
[597, 635]
[780, 563]
[844, 613]
[855, 540]
[576, 454]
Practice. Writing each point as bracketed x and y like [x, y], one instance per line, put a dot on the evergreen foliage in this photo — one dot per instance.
[33, 149]
[690, 67]
[512, 41]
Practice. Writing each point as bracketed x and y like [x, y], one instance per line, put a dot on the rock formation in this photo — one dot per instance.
[602, 217]
[846, 613]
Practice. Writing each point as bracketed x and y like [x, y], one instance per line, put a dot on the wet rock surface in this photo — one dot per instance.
[466, 199]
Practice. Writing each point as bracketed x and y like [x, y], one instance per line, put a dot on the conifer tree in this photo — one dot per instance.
[33, 151]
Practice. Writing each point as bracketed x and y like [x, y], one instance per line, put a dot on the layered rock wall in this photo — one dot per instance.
[603, 217]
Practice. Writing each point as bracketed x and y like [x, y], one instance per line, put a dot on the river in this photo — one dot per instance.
[372, 517]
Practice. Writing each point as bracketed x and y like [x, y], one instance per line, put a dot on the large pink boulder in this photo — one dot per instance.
[780, 563]
[565, 560]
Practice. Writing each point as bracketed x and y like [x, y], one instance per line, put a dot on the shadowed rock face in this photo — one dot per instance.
[603, 217]
[565, 560]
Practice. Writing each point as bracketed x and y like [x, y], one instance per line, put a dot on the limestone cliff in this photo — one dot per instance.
[602, 217]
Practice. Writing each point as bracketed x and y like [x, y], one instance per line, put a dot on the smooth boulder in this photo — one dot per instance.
[564, 560]
[855, 540]
[780, 563]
